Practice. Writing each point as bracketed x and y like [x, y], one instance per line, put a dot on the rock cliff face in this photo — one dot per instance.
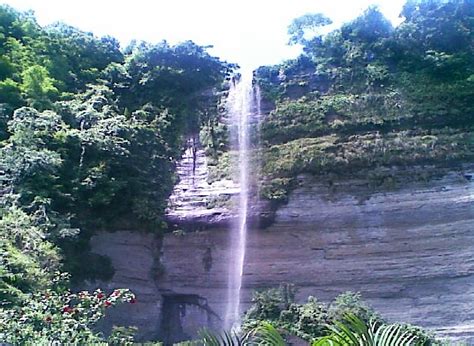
[192, 203]
[409, 252]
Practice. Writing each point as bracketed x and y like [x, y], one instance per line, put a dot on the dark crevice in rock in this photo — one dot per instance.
[179, 312]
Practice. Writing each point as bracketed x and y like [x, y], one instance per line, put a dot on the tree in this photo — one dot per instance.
[10, 94]
[308, 25]
[368, 28]
[28, 262]
[38, 87]
[436, 38]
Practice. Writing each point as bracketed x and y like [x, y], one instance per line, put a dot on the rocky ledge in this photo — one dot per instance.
[195, 202]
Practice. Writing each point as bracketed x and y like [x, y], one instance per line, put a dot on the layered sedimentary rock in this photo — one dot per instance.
[193, 201]
[409, 251]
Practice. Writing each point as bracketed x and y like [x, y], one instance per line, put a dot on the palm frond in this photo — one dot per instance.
[393, 334]
[225, 338]
[353, 331]
[267, 335]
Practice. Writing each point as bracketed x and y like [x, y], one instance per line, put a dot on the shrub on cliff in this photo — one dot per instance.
[314, 319]
[57, 316]
[368, 96]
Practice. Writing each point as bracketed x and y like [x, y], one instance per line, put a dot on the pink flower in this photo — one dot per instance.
[67, 309]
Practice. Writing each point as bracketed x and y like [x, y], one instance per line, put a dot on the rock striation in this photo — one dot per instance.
[409, 251]
[193, 201]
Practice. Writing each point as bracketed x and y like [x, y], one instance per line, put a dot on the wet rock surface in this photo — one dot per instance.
[196, 202]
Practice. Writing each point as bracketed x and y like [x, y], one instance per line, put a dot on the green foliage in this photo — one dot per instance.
[77, 58]
[355, 331]
[370, 96]
[368, 28]
[35, 307]
[122, 336]
[180, 78]
[115, 165]
[350, 303]
[213, 136]
[10, 93]
[268, 80]
[350, 331]
[304, 25]
[52, 60]
[264, 334]
[268, 304]
[276, 190]
[221, 167]
[306, 321]
[225, 338]
[95, 149]
[267, 335]
[347, 156]
[366, 53]
[38, 87]
[28, 262]
[294, 118]
[61, 317]
[345, 321]
[440, 47]
[348, 56]
[105, 153]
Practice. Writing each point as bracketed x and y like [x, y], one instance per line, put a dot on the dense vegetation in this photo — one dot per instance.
[90, 134]
[275, 319]
[367, 97]
[314, 319]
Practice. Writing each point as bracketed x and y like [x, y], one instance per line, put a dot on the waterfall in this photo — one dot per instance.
[240, 104]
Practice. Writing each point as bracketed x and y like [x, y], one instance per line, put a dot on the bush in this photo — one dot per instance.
[308, 320]
[350, 303]
[60, 317]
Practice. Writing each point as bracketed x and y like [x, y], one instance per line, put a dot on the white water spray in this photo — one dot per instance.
[241, 103]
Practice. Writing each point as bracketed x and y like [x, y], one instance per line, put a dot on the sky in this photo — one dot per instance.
[248, 32]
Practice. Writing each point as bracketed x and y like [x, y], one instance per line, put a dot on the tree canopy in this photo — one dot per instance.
[369, 95]
[90, 134]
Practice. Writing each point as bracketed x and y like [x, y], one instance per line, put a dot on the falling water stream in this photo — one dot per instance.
[241, 102]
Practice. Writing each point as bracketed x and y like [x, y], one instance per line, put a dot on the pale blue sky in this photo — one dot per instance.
[248, 32]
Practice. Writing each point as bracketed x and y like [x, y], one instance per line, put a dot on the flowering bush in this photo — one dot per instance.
[59, 317]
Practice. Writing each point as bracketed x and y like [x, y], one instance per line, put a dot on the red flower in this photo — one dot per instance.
[115, 293]
[100, 295]
[132, 301]
[67, 309]
[107, 303]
